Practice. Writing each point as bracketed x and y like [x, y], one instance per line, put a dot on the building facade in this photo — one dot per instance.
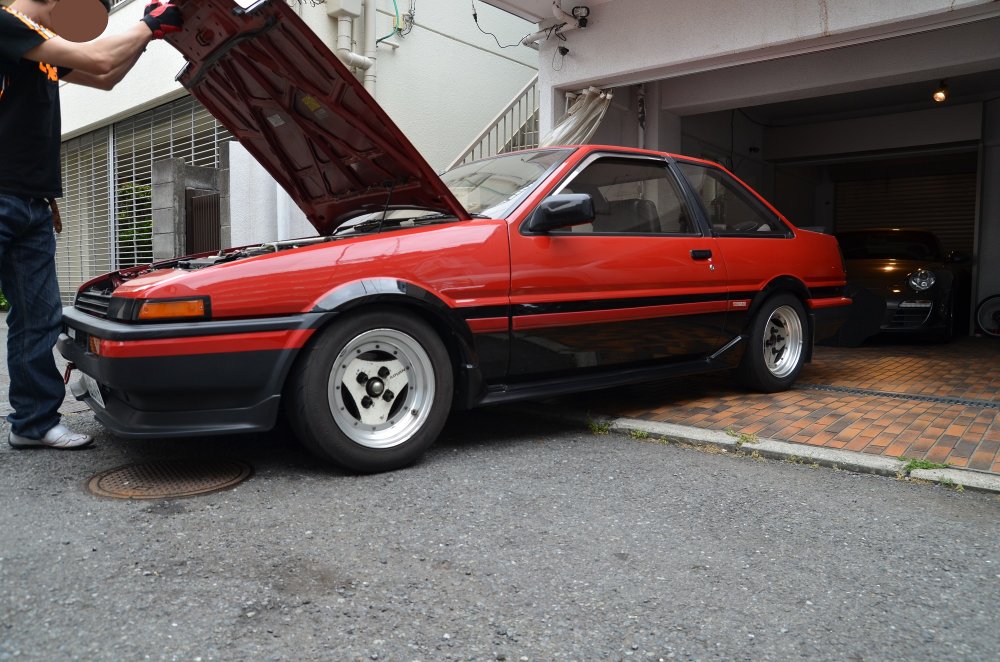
[826, 106]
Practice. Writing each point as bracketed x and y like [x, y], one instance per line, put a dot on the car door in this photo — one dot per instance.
[752, 238]
[642, 284]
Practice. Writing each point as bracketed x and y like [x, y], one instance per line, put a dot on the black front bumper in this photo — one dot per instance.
[180, 395]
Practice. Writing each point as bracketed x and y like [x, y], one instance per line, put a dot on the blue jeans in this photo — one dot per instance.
[28, 280]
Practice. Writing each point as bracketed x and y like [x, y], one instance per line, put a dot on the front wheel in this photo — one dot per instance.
[373, 392]
[776, 346]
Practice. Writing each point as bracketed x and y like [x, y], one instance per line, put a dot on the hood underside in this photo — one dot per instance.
[300, 112]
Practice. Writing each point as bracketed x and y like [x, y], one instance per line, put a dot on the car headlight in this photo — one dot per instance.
[922, 280]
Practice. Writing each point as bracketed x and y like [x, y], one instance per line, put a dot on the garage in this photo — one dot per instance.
[851, 138]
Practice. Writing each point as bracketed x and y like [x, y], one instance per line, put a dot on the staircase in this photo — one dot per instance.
[515, 127]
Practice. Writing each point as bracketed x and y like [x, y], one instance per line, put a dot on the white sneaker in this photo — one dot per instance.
[58, 437]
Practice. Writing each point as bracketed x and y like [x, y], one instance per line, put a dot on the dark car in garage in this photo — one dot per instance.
[902, 282]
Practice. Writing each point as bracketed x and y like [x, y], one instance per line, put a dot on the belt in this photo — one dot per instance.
[56, 218]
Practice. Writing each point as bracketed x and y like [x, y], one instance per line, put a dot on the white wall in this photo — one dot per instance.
[149, 84]
[447, 79]
[632, 41]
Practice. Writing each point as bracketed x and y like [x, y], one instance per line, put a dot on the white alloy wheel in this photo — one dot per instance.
[783, 341]
[381, 389]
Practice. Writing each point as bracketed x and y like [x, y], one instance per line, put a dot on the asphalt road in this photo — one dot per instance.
[516, 539]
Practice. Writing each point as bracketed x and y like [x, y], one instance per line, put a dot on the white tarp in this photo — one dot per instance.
[581, 119]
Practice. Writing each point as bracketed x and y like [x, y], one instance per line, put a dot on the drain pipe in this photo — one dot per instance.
[345, 13]
[371, 46]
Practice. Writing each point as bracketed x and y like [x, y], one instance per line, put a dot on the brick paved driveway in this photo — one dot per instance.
[927, 401]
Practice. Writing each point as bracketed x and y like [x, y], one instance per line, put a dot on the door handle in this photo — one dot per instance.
[701, 254]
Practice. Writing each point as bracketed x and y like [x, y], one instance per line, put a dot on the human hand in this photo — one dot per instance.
[162, 18]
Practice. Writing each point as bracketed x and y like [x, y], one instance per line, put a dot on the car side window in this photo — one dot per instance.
[732, 209]
[631, 196]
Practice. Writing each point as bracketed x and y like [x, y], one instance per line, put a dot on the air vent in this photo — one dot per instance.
[94, 301]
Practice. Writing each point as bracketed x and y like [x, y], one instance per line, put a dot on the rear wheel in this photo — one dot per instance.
[373, 392]
[776, 347]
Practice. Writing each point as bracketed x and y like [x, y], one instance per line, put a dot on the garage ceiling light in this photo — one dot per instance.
[941, 93]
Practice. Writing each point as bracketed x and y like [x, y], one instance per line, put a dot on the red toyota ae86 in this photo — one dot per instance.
[518, 277]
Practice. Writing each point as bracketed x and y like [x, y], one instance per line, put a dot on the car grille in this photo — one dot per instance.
[908, 318]
[94, 301]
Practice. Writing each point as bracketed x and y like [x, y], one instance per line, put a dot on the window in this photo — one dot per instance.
[631, 196]
[732, 209]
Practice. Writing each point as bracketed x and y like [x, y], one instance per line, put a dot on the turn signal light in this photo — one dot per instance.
[172, 310]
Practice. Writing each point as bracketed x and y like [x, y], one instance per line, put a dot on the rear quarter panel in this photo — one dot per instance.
[810, 257]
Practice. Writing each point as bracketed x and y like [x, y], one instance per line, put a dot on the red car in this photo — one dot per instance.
[518, 277]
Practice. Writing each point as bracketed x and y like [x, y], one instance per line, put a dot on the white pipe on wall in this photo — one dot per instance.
[371, 49]
[345, 34]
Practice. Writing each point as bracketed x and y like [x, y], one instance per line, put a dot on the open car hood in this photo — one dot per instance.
[290, 101]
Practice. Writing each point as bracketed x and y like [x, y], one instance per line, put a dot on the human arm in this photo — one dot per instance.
[100, 58]
[104, 62]
[102, 81]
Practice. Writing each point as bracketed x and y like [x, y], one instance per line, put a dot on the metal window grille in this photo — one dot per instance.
[83, 248]
[107, 226]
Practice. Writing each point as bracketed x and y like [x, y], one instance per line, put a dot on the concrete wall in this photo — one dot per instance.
[171, 178]
[633, 41]
[988, 246]
[259, 208]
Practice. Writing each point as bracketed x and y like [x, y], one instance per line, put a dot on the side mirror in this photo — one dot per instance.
[561, 211]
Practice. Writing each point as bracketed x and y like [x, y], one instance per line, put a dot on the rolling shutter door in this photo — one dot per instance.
[110, 227]
[83, 248]
[943, 204]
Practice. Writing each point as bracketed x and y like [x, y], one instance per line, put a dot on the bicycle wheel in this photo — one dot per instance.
[988, 316]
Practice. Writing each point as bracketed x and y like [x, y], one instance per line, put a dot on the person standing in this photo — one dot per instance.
[33, 59]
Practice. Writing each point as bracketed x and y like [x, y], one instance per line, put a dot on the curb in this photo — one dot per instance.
[783, 450]
[827, 457]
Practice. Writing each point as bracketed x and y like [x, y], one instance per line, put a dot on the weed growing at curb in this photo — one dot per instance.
[949, 483]
[742, 437]
[599, 427]
[638, 434]
[913, 463]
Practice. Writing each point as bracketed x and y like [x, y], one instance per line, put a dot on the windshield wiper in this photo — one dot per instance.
[378, 223]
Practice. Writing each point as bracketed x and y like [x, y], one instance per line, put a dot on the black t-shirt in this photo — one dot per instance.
[30, 127]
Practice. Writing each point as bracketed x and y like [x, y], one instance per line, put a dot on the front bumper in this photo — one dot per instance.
[914, 316]
[188, 379]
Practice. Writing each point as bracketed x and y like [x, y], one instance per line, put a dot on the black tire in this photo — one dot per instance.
[776, 347]
[946, 334]
[372, 392]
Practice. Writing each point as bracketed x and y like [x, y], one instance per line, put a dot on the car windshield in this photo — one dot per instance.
[898, 245]
[494, 187]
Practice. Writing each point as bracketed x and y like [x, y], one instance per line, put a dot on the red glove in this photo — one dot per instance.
[162, 18]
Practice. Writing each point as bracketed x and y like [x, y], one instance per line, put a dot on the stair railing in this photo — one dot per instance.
[515, 127]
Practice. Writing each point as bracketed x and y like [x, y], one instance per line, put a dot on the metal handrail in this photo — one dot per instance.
[515, 127]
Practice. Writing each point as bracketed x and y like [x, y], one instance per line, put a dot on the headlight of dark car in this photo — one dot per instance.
[921, 280]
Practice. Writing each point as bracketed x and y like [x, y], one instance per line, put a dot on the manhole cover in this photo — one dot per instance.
[165, 479]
